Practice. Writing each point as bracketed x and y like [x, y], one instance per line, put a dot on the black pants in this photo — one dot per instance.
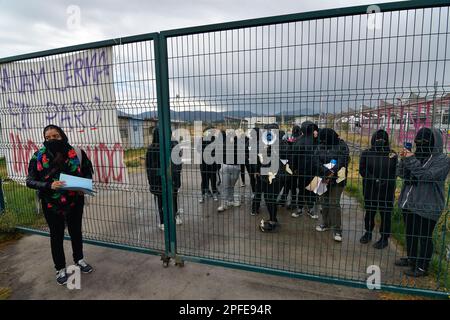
[243, 173]
[419, 230]
[209, 177]
[252, 176]
[270, 191]
[57, 224]
[385, 208]
[305, 197]
[159, 200]
[290, 185]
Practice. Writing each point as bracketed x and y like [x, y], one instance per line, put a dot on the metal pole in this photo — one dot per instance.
[433, 117]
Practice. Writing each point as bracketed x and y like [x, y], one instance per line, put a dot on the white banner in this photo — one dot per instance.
[75, 92]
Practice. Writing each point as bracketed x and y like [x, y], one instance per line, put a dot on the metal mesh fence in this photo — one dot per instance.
[352, 72]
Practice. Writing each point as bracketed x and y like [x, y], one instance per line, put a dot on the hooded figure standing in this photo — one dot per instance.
[378, 166]
[291, 181]
[208, 171]
[331, 148]
[154, 173]
[422, 197]
[60, 206]
[303, 161]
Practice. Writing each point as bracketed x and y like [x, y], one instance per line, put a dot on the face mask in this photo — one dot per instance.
[379, 143]
[56, 146]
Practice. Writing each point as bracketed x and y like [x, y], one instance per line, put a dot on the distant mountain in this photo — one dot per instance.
[196, 115]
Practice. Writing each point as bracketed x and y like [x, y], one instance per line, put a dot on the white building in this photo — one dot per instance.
[260, 121]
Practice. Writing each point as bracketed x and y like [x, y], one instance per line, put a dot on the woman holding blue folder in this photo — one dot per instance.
[57, 156]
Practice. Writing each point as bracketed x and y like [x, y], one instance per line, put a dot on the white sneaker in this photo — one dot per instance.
[222, 208]
[312, 215]
[338, 237]
[201, 200]
[178, 220]
[161, 227]
[297, 213]
[215, 197]
[236, 203]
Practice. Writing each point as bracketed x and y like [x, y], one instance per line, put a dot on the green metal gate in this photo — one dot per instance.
[349, 69]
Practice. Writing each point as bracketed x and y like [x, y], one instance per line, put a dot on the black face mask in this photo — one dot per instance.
[424, 144]
[56, 146]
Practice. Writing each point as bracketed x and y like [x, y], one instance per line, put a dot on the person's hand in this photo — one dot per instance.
[405, 153]
[58, 184]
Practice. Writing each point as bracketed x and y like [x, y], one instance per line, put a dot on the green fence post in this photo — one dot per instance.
[163, 104]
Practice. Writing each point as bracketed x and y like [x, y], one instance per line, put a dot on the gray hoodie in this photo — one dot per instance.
[424, 184]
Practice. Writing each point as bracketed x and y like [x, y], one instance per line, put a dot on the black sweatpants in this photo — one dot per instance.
[209, 177]
[57, 224]
[159, 200]
[271, 192]
[419, 231]
[385, 208]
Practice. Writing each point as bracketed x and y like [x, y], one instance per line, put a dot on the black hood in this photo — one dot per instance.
[427, 142]
[329, 137]
[377, 144]
[155, 136]
[61, 132]
[296, 131]
[308, 127]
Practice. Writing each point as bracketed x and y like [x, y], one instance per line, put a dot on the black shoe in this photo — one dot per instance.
[416, 272]
[366, 237]
[61, 277]
[84, 267]
[268, 226]
[404, 262]
[381, 244]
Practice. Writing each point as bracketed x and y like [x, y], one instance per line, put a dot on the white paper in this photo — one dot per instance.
[76, 183]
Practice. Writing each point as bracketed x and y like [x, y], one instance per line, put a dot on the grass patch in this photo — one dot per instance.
[5, 293]
[135, 158]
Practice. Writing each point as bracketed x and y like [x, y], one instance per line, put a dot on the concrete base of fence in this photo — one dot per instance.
[27, 269]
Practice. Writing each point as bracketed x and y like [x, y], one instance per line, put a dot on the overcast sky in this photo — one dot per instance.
[28, 26]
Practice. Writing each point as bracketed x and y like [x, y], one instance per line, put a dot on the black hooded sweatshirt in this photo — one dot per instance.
[153, 166]
[302, 152]
[377, 166]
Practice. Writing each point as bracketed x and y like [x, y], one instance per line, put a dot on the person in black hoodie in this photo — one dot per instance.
[291, 182]
[302, 159]
[60, 206]
[331, 148]
[153, 166]
[208, 171]
[422, 198]
[270, 183]
[377, 166]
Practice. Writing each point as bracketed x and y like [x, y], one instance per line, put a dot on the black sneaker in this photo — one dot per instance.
[61, 277]
[84, 267]
[381, 244]
[366, 237]
[268, 226]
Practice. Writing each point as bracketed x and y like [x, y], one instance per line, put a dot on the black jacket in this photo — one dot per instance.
[204, 166]
[154, 173]
[302, 152]
[325, 153]
[378, 166]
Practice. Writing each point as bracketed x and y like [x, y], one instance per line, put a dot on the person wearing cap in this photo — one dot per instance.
[422, 198]
[377, 166]
[60, 206]
[331, 150]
